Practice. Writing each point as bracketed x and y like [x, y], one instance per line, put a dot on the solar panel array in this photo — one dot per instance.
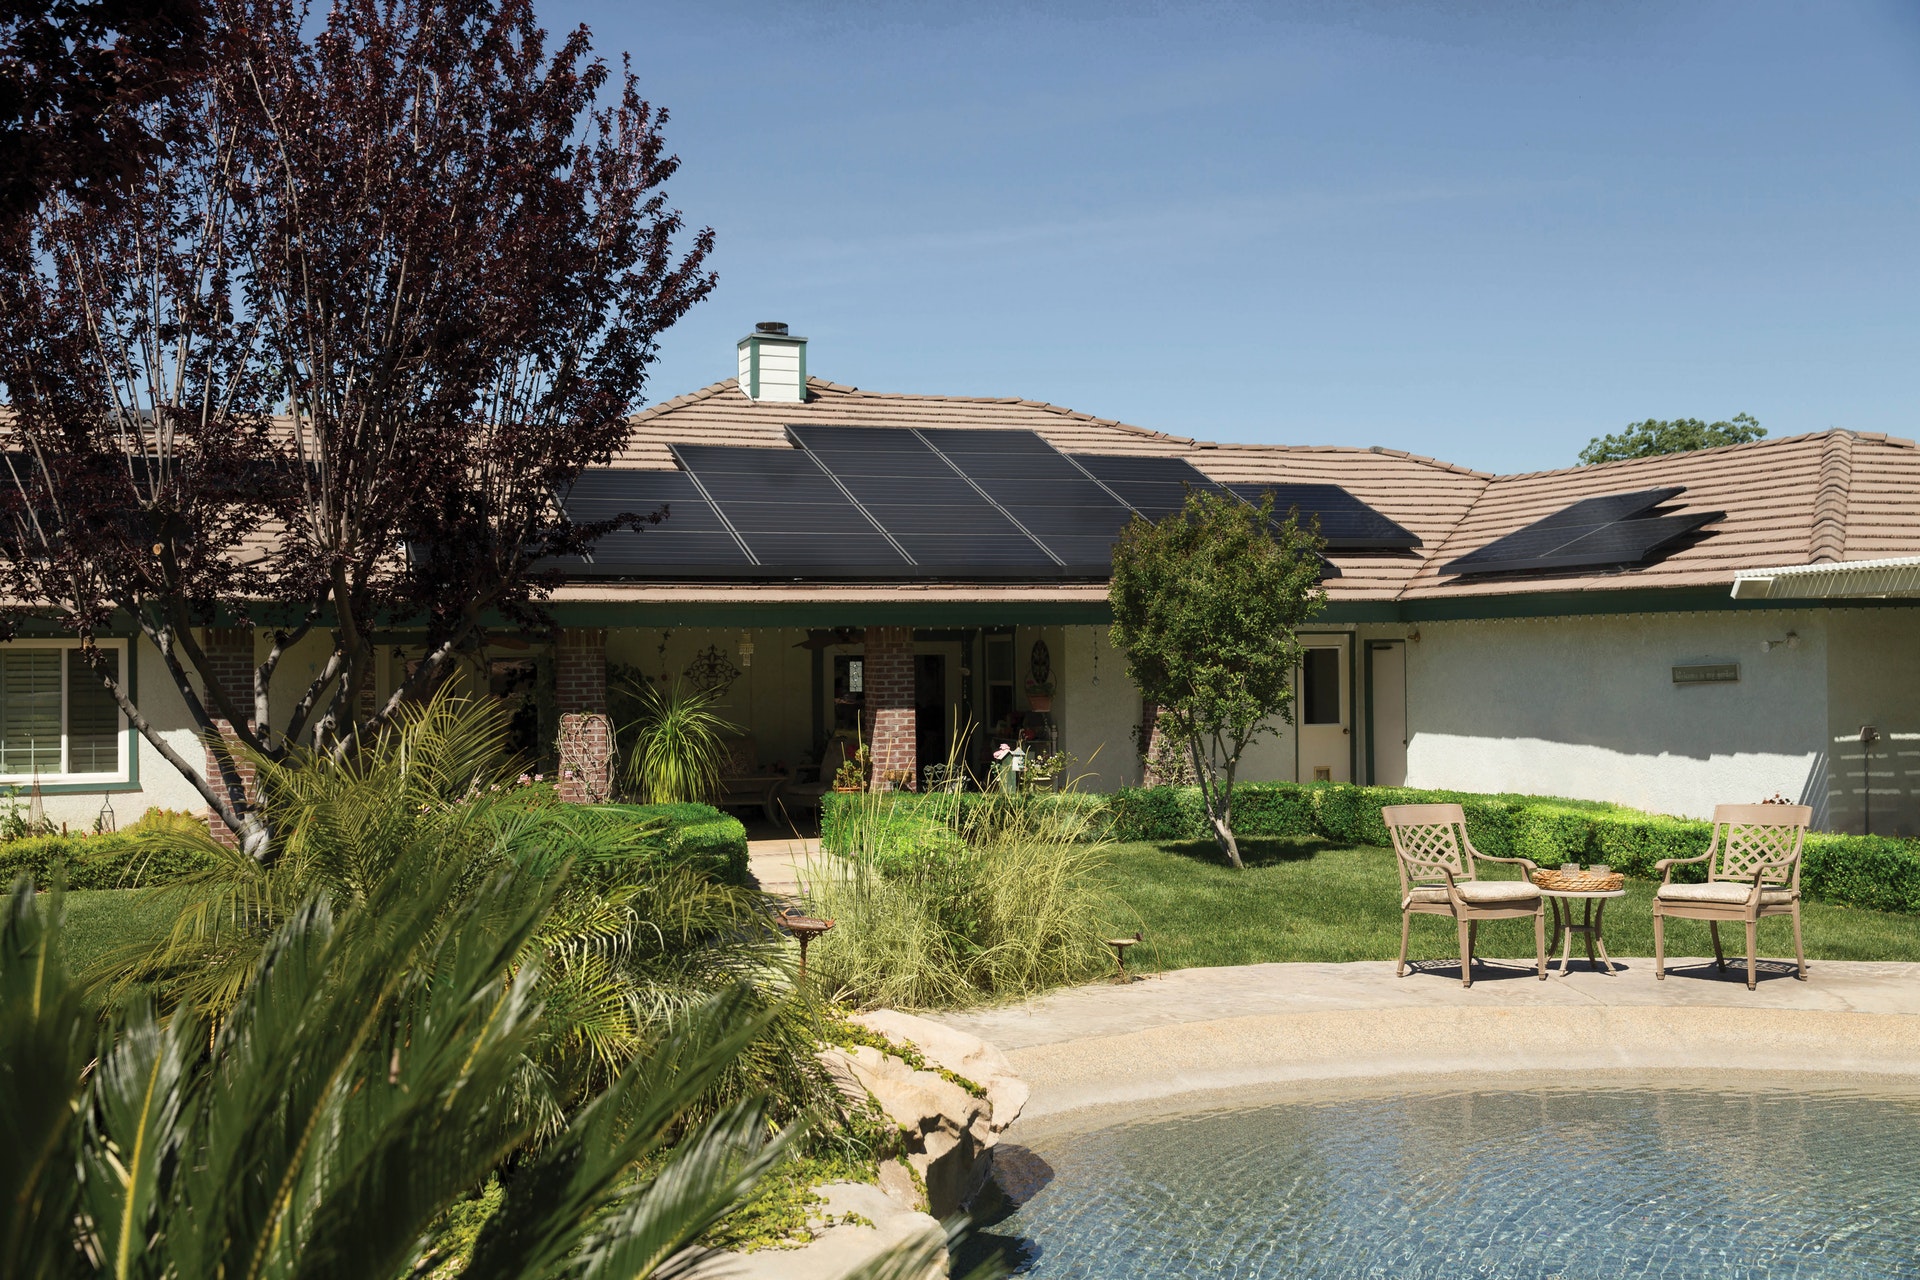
[1604, 532]
[1157, 487]
[940, 518]
[1346, 523]
[896, 502]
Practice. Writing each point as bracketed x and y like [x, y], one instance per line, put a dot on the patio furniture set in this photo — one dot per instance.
[1752, 863]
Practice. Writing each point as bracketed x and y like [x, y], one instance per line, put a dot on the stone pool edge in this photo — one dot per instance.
[1157, 1063]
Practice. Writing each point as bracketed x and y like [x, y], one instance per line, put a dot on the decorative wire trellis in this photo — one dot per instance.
[578, 754]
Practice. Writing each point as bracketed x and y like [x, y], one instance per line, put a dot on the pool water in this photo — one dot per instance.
[1595, 1184]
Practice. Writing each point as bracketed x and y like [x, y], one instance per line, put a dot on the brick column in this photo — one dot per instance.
[1160, 765]
[586, 734]
[889, 722]
[229, 653]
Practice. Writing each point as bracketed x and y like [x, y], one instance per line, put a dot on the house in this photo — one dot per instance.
[1667, 633]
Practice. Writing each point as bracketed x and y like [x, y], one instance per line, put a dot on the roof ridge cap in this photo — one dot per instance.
[685, 398]
[1422, 458]
[1437, 463]
[1024, 402]
[1827, 540]
[1590, 467]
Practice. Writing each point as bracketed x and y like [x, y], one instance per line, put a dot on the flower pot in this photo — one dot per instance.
[1040, 701]
[849, 791]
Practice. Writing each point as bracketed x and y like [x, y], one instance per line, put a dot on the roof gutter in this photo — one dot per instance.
[1852, 579]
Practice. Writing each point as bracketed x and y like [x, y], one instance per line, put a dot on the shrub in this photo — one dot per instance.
[676, 748]
[697, 836]
[948, 900]
[848, 819]
[137, 858]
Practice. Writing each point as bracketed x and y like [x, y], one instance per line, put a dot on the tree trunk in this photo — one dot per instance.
[1219, 804]
[1223, 836]
[256, 838]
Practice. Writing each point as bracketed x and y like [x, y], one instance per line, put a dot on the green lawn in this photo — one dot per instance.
[1309, 899]
[102, 921]
[1297, 899]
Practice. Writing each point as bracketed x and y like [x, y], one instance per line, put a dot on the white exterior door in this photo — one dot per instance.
[1321, 711]
[1387, 713]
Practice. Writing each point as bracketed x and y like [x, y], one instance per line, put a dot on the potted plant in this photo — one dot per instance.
[1040, 695]
[852, 774]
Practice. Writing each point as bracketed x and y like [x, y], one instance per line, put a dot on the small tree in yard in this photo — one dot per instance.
[321, 368]
[1206, 604]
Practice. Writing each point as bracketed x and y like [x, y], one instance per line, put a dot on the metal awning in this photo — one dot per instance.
[1843, 580]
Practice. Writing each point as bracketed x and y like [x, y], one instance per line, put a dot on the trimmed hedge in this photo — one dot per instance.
[1874, 872]
[112, 861]
[698, 836]
[840, 812]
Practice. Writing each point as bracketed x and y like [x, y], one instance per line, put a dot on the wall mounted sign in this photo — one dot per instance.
[1707, 673]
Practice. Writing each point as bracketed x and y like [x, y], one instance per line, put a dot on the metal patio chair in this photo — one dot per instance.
[942, 777]
[1753, 871]
[1439, 875]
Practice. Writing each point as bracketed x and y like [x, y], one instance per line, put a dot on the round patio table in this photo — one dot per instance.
[1589, 924]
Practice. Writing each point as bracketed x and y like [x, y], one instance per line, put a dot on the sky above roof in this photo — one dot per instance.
[1482, 231]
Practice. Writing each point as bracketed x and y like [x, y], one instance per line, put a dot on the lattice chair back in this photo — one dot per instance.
[1763, 838]
[941, 777]
[1430, 840]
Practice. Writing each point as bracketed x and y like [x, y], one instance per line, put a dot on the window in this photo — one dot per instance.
[56, 717]
[1320, 687]
[999, 683]
[849, 692]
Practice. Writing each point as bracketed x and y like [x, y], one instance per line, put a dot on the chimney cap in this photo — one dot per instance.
[775, 328]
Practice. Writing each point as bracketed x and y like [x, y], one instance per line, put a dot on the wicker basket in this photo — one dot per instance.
[1579, 881]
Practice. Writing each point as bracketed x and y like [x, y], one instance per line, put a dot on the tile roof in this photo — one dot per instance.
[1787, 501]
[723, 414]
[1833, 495]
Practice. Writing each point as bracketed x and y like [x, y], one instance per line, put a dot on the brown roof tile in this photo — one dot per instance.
[1831, 495]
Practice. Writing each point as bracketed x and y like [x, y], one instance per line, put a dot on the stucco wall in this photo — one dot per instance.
[1872, 680]
[1102, 718]
[1587, 708]
[771, 699]
[1098, 720]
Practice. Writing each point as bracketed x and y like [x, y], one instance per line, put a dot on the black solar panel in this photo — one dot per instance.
[934, 514]
[1041, 489]
[691, 537]
[1155, 487]
[1346, 523]
[1615, 529]
[790, 513]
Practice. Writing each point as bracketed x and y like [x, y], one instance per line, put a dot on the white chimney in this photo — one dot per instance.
[773, 364]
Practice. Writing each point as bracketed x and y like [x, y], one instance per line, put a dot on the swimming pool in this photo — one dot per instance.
[1600, 1183]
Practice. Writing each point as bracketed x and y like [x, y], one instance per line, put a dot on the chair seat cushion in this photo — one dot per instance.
[1478, 893]
[1722, 892]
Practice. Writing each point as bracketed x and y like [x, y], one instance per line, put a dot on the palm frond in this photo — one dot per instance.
[137, 1123]
[44, 1048]
[713, 1172]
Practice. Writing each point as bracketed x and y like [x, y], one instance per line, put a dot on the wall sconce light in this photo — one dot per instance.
[1413, 636]
[746, 648]
[1791, 640]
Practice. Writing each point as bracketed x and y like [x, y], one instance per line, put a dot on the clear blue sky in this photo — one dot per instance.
[1484, 231]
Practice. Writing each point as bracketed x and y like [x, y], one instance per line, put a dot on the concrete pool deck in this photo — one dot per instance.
[1198, 1030]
